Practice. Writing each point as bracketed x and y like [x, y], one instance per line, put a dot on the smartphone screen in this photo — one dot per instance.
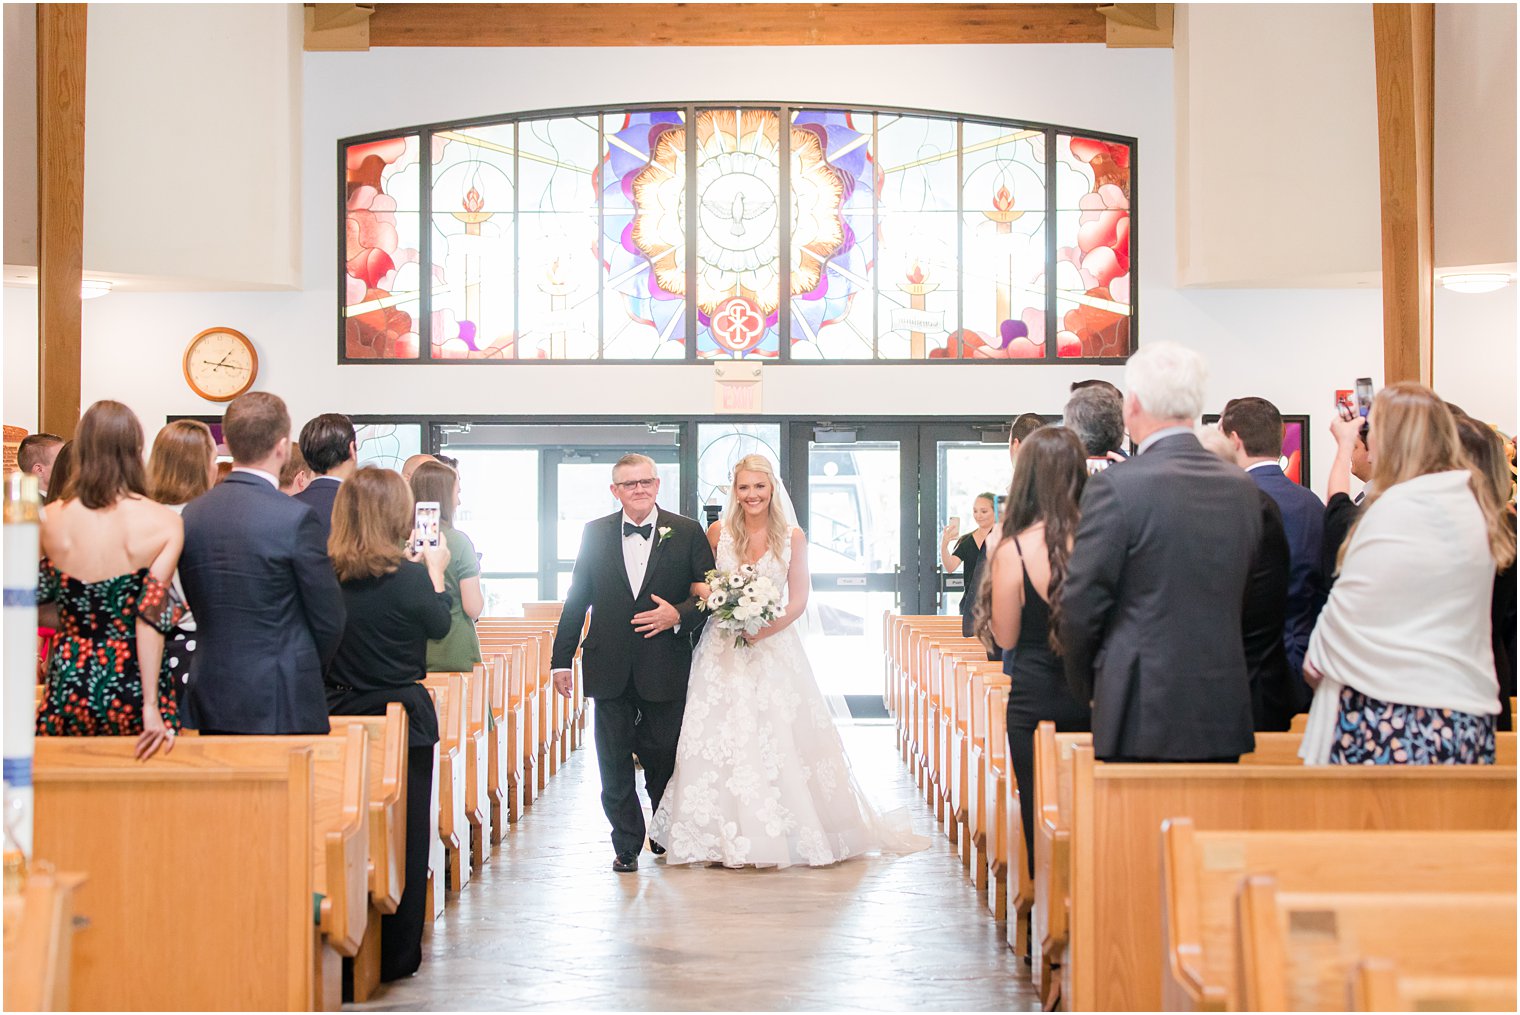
[1345, 403]
[425, 530]
[1363, 396]
[1097, 465]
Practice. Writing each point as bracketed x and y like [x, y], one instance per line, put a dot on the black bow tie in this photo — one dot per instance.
[630, 529]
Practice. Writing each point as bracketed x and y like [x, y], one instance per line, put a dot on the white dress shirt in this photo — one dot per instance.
[636, 550]
[1161, 435]
[268, 477]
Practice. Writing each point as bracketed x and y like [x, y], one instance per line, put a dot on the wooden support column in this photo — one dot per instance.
[1404, 39]
[60, 212]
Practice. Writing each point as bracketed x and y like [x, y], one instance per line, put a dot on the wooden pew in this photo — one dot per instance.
[1379, 985]
[1202, 872]
[998, 797]
[200, 897]
[492, 672]
[1298, 951]
[387, 830]
[39, 941]
[1116, 816]
[549, 611]
[453, 815]
[438, 862]
[477, 777]
[983, 678]
[547, 709]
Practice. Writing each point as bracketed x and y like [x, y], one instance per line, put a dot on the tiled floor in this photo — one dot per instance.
[547, 925]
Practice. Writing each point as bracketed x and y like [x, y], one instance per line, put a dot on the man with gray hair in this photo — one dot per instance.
[1151, 606]
[1096, 415]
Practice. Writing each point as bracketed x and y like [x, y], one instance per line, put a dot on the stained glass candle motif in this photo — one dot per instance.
[1092, 247]
[918, 274]
[382, 281]
[644, 283]
[559, 283]
[473, 225]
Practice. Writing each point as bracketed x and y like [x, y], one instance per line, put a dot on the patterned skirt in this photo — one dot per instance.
[1373, 732]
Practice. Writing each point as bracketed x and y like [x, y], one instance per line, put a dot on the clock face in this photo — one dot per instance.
[220, 364]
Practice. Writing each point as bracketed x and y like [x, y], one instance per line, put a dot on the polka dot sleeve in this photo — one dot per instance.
[158, 607]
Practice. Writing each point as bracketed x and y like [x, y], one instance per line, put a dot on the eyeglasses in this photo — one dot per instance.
[637, 484]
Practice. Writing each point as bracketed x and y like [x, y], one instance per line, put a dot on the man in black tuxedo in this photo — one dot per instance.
[1152, 602]
[268, 610]
[635, 570]
[331, 452]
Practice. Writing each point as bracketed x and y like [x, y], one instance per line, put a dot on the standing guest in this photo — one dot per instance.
[332, 453]
[1402, 657]
[968, 550]
[295, 477]
[110, 554]
[412, 464]
[395, 603]
[459, 649]
[1023, 425]
[1264, 613]
[1095, 413]
[267, 607]
[1151, 607]
[60, 475]
[1255, 428]
[1352, 458]
[1024, 579]
[452, 463]
[1485, 450]
[180, 469]
[35, 457]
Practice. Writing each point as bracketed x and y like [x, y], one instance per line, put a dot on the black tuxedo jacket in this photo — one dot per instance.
[613, 652]
[1274, 688]
[268, 610]
[1152, 604]
[319, 496]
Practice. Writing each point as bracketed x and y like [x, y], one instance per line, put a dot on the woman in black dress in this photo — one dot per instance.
[396, 602]
[1024, 579]
[968, 550]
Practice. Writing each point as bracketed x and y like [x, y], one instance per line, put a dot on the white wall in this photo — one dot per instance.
[20, 41]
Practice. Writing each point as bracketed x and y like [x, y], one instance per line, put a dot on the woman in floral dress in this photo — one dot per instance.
[109, 555]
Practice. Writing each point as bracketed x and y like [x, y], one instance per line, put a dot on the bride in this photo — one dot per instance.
[761, 776]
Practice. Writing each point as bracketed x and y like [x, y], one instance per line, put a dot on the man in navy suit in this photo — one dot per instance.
[268, 610]
[1255, 427]
[331, 452]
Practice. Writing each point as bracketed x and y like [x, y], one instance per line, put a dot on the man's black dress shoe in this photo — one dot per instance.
[656, 848]
[625, 863]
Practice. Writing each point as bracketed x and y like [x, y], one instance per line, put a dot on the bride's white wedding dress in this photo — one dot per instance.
[761, 775]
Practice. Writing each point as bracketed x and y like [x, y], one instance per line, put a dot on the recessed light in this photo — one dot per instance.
[90, 288]
[1477, 282]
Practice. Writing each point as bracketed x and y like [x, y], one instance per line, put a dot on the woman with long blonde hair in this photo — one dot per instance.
[761, 777]
[1401, 659]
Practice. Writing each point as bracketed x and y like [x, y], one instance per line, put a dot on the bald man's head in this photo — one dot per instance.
[412, 464]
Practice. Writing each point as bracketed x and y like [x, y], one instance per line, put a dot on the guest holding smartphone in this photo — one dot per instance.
[396, 601]
[459, 650]
[968, 550]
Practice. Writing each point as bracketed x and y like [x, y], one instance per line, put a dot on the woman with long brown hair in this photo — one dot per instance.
[1021, 604]
[459, 650]
[110, 553]
[181, 467]
[1401, 659]
[395, 598]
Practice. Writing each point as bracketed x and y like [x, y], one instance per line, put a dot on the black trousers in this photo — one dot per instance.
[625, 726]
[401, 931]
[1069, 717]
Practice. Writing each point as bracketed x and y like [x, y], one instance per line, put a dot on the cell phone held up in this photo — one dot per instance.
[425, 528]
[1350, 404]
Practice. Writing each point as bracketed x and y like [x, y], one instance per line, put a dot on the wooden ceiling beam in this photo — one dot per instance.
[657, 24]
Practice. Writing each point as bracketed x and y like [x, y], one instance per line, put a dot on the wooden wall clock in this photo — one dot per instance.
[220, 364]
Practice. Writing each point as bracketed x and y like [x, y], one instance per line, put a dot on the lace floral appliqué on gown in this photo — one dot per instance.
[761, 774]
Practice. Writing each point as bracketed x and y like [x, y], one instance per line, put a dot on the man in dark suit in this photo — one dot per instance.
[268, 611]
[1152, 602]
[635, 570]
[331, 452]
[1255, 428]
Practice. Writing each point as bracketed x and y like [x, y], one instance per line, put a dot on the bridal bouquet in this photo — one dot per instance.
[741, 601]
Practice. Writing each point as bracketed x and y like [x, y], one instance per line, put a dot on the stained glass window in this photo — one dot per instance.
[704, 232]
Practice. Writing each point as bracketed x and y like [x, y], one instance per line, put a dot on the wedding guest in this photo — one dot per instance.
[1023, 425]
[395, 602]
[968, 550]
[1151, 607]
[109, 556]
[35, 457]
[1024, 580]
[412, 464]
[1255, 428]
[223, 470]
[267, 607]
[295, 475]
[60, 475]
[1095, 413]
[452, 463]
[1485, 450]
[181, 467]
[459, 649]
[332, 453]
[1352, 458]
[1402, 657]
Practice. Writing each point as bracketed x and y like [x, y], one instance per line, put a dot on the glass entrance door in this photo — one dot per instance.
[963, 463]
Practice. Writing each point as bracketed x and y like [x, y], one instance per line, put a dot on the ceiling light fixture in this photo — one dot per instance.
[93, 287]
[1477, 282]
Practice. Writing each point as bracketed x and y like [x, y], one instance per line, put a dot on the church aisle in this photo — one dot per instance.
[548, 925]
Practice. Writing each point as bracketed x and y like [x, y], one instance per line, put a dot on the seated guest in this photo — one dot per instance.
[1095, 413]
[267, 607]
[1402, 660]
[1024, 580]
[180, 469]
[1485, 450]
[459, 650]
[395, 603]
[332, 454]
[110, 554]
[1150, 615]
[35, 456]
[1255, 428]
[1274, 700]
[58, 477]
[969, 550]
[295, 476]
[1352, 458]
